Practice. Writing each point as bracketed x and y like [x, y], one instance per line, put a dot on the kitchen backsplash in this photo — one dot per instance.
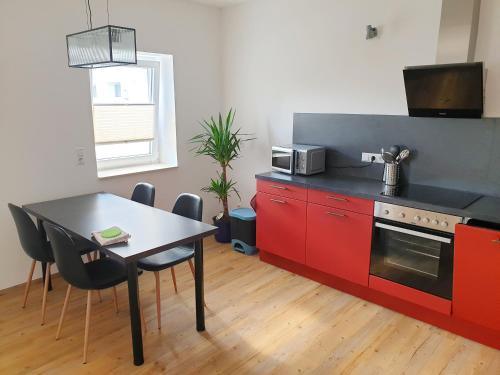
[454, 153]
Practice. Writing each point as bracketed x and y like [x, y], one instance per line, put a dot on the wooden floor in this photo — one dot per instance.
[260, 320]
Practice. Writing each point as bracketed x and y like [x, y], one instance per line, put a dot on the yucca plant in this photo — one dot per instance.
[220, 142]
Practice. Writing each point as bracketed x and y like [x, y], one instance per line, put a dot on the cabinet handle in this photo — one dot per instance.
[335, 214]
[279, 187]
[336, 198]
[278, 201]
[496, 241]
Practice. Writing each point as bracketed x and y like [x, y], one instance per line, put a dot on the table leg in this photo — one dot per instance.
[43, 236]
[135, 316]
[198, 280]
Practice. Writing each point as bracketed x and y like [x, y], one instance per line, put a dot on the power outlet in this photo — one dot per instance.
[80, 156]
[369, 158]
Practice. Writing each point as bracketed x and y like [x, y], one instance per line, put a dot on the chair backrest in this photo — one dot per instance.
[144, 193]
[29, 236]
[189, 205]
[68, 259]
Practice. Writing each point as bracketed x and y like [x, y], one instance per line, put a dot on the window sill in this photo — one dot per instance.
[133, 170]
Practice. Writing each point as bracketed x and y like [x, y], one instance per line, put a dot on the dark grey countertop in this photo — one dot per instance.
[485, 208]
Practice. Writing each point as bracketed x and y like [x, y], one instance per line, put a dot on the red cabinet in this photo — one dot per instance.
[344, 202]
[338, 242]
[283, 190]
[281, 226]
[476, 281]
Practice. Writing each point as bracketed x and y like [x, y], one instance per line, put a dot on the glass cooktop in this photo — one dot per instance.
[433, 195]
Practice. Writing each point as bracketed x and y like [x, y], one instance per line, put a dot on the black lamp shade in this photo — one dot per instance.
[102, 47]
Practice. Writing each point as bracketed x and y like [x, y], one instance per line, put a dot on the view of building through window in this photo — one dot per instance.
[124, 107]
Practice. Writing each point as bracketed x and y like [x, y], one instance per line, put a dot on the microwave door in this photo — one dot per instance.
[282, 161]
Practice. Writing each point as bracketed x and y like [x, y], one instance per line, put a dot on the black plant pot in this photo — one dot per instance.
[223, 234]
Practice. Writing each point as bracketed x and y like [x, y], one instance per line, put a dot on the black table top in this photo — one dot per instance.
[152, 230]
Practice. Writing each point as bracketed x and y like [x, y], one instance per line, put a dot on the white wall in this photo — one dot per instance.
[285, 56]
[487, 50]
[45, 106]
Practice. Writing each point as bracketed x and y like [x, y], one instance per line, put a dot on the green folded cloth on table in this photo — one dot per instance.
[111, 236]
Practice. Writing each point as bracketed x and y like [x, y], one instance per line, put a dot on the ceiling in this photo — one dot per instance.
[220, 3]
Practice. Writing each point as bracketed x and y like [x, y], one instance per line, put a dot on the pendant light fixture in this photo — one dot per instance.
[101, 47]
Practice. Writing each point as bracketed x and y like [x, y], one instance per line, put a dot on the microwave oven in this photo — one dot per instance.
[298, 159]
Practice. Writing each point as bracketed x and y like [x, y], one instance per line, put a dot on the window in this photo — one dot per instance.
[126, 108]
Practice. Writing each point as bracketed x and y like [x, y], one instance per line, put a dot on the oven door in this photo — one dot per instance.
[412, 256]
[283, 160]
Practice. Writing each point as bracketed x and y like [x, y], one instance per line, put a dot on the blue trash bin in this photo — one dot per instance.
[243, 230]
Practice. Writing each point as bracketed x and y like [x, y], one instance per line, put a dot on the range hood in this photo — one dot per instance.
[454, 86]
[448, 90]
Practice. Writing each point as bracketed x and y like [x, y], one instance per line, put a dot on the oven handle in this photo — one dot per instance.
[413, 233]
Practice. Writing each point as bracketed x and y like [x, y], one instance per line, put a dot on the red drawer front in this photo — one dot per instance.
[338, 242]
[283, 190]
[281, 226]
[344, 202]
[417, 297]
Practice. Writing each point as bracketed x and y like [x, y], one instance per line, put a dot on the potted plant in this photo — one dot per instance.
[222, 143]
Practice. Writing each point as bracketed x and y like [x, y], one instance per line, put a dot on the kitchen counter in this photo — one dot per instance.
[482, 208]
[486, 209]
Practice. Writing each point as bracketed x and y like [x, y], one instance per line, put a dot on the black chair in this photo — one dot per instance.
[187, 205]
[144, 193]
[39, 250]
[35, 247]
[96, 275]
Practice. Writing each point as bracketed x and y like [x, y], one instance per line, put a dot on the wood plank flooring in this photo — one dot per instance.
[260, 320]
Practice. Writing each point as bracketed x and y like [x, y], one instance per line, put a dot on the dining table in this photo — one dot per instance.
[152, 231]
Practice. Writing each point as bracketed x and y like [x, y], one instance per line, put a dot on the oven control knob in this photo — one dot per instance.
[425, 220]
[402, 215]
[417, 218]
[444, 224]
[435, 222]
[386, 212]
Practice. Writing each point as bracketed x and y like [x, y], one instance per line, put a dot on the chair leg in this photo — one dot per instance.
[87, 326]
[115, 298]
[173, 278]
[45, 290]
[191, 266]
[143, 320]
[158, 300]
[28, 283]
[63, 312]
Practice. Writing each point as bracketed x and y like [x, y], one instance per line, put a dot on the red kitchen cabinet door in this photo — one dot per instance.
[281, 226]
[281, 189]
[476, 280]
[338, 242]
[343, 202]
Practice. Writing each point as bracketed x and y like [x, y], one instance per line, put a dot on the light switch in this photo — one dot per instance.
[80, 156]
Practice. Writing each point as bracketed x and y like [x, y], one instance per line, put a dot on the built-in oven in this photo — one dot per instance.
[283, 159]
[414, 248]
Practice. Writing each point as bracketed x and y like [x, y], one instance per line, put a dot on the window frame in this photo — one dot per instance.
[134, 161]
